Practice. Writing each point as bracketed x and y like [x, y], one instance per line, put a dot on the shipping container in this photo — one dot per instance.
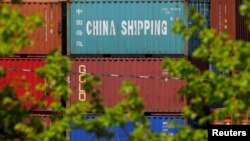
[125, 27]
[225, 17]
[20, 73]
[158, 124]
[203, 7]
[49, 36]
[201, 65]
[159, 93]
[244, 119]
[46, 118]
[216, 70]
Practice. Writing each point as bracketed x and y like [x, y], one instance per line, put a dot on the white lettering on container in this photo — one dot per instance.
[128, 28]
[98, 28]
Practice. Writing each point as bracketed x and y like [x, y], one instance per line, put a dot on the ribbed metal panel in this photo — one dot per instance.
[49, 36]
[203, 7]
[124, 27]
[159, 93]
[158, 124]
[21, 73]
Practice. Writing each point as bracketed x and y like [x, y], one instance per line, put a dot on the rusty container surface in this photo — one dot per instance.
[225, 17]
[20, 73]
[48, 37]
[159, 94]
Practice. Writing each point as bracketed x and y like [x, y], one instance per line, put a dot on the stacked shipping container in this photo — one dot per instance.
[225, 17]
[203, 7]
[126, 27]
[47, 37]
[131, 28]
[159, 93]
[159, 124]
[20, 71]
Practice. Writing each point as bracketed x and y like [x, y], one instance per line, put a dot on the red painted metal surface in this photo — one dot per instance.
[20, 72]
[244, 119]
[225, 17]
[159, 95]
[48, 37]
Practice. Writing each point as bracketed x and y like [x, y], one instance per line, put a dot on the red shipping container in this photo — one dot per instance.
[20, 72]
[243, 119]
[225, 17]
[44, 116]
[49, 36]
[159, 95]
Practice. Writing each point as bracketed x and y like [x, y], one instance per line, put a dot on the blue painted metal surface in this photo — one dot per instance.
[125, 27]
[203, 7]
[214, 69]
[158, 124]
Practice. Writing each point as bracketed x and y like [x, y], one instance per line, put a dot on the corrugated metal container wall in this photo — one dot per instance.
[244, 119]
[203, 7]
[159, 95]
[241, 21]
[47, 37]
[202, 65]
[225, 17]
[158, 124]
[124, 27]
[45, 118]
[20, 72]
[214, 69]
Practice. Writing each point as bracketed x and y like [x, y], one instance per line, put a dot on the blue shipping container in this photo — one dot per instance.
[214, 69]
[124, 27]
[203, 7]
[158, 124]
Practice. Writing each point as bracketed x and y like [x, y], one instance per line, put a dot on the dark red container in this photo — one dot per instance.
[20, 72]
[201, 65]
[45, 117]
[159, 94]
[225, 17]
[243, 119]
[49, 36]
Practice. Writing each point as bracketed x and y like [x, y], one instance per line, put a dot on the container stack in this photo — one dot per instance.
[203, 7]
[126, 40]
[20, 69]
[118, 40]
[225, 17]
